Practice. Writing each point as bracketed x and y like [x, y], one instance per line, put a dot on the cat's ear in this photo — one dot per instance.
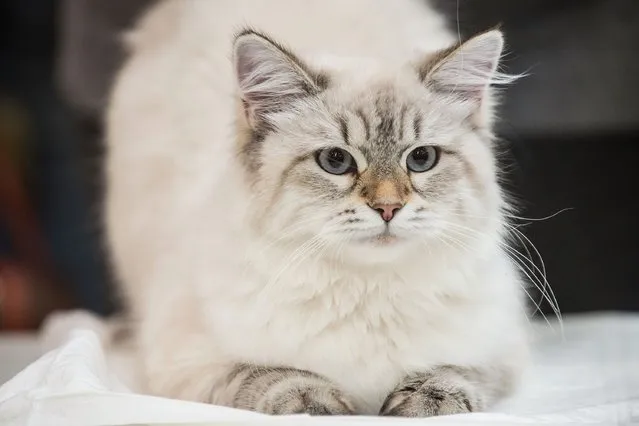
[467, 70]
[269, 76]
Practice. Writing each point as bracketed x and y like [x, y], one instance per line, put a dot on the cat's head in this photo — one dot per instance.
[371, 162]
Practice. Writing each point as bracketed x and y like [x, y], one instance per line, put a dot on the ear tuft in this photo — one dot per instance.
[269, 76]
[468, 70]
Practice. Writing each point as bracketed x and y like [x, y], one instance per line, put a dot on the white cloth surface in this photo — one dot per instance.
[589, 374]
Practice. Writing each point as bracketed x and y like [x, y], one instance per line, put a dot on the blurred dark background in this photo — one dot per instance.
[569, 128]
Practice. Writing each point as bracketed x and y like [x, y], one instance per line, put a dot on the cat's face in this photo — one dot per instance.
[375, 167]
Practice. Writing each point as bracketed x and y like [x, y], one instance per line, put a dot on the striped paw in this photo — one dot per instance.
[283, 390]
[420, 396]
[318, 401]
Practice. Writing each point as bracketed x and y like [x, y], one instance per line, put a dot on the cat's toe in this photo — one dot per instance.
[317, 402]
[425, 401]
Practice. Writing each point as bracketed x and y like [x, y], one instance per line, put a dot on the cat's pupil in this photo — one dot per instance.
[420, 155]
[336, 157]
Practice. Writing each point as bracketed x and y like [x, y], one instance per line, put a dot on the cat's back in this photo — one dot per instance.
[368, 28]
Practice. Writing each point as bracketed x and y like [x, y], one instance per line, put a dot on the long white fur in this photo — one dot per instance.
[194, 273]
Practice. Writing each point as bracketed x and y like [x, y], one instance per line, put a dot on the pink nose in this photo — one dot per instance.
[387, 211]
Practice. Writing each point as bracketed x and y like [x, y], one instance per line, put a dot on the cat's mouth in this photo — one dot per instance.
[384, 238]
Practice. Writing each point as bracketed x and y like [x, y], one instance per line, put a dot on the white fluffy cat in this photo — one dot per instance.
[318, 227]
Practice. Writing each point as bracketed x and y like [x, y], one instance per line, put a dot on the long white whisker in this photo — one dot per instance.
[541, 219]
[547, 291]
[522, 263]
[543, 270]
[442, 238]
[466, 247]
[458, 212]
[545, 281]
[287, 231]
[296, 257]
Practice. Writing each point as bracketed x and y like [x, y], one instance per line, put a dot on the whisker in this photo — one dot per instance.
[546, 290]
[297, 256]
[287, 231]
[544, 284]
[458, 212]
[522, 263]
[445, 241]
[467, 248]
[541, 219]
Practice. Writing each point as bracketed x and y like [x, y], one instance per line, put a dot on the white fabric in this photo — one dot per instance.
[587, 375]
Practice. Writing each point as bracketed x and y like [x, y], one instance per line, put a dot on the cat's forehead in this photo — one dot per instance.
[386, 119]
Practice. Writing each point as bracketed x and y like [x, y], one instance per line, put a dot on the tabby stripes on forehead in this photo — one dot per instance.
[365, 123]
[402, 118]
[417, 126]
[393, 119]
[386, 126]
[343, 124]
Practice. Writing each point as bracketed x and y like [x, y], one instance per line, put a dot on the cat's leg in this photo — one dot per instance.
[448, 390]
[178, 364]
[186, 371]
[282, 390]
[179, 359]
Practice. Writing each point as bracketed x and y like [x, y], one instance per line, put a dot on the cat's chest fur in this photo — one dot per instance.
[363, 329]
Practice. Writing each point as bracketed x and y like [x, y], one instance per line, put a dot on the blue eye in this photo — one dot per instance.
[336, 161]
[422, 159]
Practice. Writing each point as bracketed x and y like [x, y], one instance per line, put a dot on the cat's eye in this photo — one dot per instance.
[336, 161]
[422, 159]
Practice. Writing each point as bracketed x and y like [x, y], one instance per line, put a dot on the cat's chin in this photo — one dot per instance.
[377, 248]
[384, 239]
[388, 238]
[377, 254]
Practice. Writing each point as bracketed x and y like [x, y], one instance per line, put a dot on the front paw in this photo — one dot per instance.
[317, 401]
[421, 398]
[283, 390]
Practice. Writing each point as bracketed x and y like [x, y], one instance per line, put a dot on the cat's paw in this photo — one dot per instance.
[317, 401]
[424, 399]
[285, 390]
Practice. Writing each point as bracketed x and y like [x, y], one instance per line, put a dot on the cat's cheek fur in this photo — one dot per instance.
[209, 289]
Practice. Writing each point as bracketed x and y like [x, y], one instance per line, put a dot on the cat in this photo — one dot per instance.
[304, 212]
